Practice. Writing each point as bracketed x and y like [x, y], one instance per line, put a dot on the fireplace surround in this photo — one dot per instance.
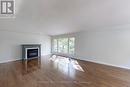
[31, 51]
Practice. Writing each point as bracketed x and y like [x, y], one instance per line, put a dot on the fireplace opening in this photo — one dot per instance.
[31, 53]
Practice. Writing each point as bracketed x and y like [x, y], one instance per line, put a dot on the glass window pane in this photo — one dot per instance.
[55, 41]
[63, 45]
[59, 45]
[71, 45]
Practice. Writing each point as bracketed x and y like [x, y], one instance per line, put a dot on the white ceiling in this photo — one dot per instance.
[55, 17]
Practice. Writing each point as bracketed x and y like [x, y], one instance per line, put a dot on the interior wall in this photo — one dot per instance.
[10, 44]
[111, 47]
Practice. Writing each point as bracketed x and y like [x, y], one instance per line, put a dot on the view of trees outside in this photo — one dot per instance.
[64, 45]
[71, 45]
[55, 44]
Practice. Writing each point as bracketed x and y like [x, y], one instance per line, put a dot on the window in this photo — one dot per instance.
[64, 45]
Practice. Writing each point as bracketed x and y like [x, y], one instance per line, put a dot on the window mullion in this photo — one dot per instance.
[57, 45]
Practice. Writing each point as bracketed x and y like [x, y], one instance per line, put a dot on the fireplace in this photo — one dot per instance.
[31, 51]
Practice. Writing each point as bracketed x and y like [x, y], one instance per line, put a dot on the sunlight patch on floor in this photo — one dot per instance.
[65, 60]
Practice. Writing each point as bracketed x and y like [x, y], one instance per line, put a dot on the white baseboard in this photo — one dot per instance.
[107, 64]
[11, 60]
[6, 61]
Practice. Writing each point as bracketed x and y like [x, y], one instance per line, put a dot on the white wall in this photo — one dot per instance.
[110, 47]
[10, 44]
[25, 28]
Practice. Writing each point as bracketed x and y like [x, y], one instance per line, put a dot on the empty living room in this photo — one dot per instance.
[64, 43]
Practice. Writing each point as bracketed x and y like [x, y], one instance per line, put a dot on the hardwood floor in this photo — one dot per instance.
[61, 72]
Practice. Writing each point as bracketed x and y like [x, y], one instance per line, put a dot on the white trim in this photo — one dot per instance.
[26, 49]
[107, 64]
[6, 61]
[12, 60]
